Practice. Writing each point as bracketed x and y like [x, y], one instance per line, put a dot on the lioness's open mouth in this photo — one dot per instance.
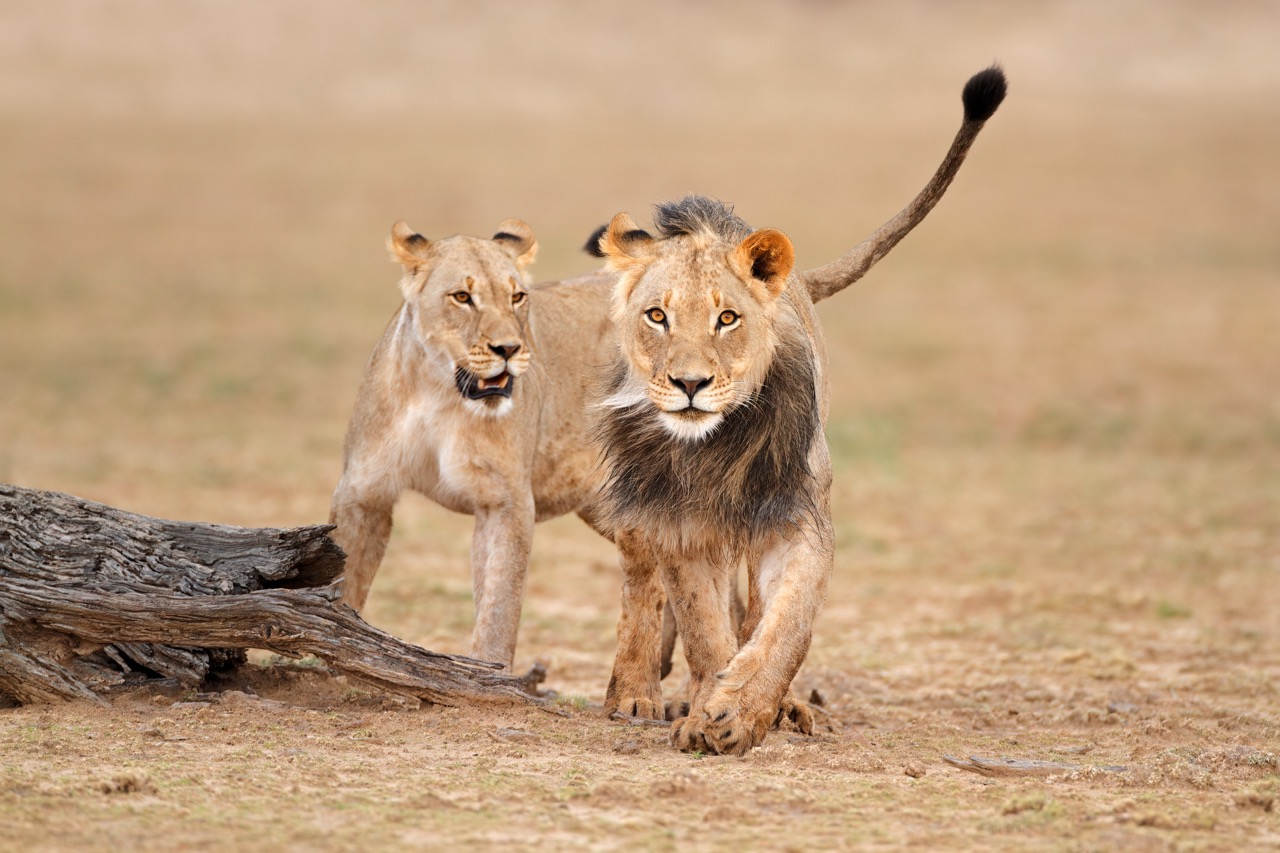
[476, 388]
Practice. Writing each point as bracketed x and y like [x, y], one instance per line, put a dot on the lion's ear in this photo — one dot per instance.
[624, 244]
[768, 257]
[517, 240]
[407, 246]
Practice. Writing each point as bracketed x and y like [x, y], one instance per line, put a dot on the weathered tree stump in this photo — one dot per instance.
[92, 598]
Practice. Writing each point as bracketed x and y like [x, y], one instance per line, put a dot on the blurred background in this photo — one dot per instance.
[1072, 367]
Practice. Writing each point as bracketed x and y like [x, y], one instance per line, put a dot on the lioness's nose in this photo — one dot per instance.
[691, 385]
[505, 350]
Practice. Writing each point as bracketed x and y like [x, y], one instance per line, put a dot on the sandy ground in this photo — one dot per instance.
[1056, 407]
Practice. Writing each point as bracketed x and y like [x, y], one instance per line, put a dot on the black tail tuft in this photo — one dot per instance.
[592, 246]
[983, 93]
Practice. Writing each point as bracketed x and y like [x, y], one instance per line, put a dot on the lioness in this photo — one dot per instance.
[712, 431]
[474, 397]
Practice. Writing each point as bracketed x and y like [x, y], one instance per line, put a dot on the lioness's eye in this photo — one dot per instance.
[656, 315]
[461, 297]
[728, 318]
[517, 298]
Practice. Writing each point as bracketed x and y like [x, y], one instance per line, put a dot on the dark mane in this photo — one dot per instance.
[749, 477]
[694, 214]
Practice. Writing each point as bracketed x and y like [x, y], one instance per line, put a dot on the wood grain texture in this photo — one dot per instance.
[92, 597]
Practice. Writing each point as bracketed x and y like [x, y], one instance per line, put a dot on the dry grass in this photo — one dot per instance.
[1056, 412]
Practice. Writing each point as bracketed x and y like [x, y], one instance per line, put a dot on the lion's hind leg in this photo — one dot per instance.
[669, 634]
[635, 688]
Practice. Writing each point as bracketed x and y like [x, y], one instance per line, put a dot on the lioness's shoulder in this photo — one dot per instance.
[588, 284]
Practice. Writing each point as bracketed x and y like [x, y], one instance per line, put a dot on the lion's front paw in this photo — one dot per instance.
[720, 728]
[798, 712]
[644, 709]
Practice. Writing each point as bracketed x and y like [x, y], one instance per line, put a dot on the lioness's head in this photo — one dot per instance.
[695, 311]
[467, 300]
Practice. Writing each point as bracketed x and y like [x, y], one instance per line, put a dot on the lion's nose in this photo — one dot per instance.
[691, 385]
[505, 350]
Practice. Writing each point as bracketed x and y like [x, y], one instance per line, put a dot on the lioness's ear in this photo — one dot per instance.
[407, 246]
[624, 244]
[768, 257]
[517, 240]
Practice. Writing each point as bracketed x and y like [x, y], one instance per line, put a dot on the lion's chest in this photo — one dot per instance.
[750, 476]
[461, 461]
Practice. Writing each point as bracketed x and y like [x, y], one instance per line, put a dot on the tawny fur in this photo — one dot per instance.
[707, 314]
[514, 462]
[468, 315]
[716, 456]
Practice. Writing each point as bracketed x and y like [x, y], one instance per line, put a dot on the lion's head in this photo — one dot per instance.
[713, 409]
[695, 311]
[467, 301]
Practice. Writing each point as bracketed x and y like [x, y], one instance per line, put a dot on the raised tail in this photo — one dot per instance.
[982, 95]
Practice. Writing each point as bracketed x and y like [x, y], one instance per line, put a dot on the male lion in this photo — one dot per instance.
[713, 433]
[474, 397]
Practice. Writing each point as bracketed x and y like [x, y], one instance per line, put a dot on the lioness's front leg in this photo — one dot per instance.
[500, 547]
[635, 686]
[745, 698]
[362, 514]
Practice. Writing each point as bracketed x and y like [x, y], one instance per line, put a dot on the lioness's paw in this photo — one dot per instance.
[798, 712]
[644, 709]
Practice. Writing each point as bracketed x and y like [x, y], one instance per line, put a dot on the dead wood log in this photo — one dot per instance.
[92, 597]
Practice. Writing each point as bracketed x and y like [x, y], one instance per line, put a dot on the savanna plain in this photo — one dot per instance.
[1055, 407]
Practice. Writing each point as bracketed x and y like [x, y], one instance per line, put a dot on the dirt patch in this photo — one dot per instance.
[344, 764]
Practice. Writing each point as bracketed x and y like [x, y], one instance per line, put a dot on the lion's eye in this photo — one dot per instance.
[656, 315]
[517, 298]
[728, 318]
[461, 297]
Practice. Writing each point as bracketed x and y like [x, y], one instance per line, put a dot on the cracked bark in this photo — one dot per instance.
[93, 599]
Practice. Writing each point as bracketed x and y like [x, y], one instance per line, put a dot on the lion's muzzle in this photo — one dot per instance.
[491, 370]
[478, 388]
[690, 385]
